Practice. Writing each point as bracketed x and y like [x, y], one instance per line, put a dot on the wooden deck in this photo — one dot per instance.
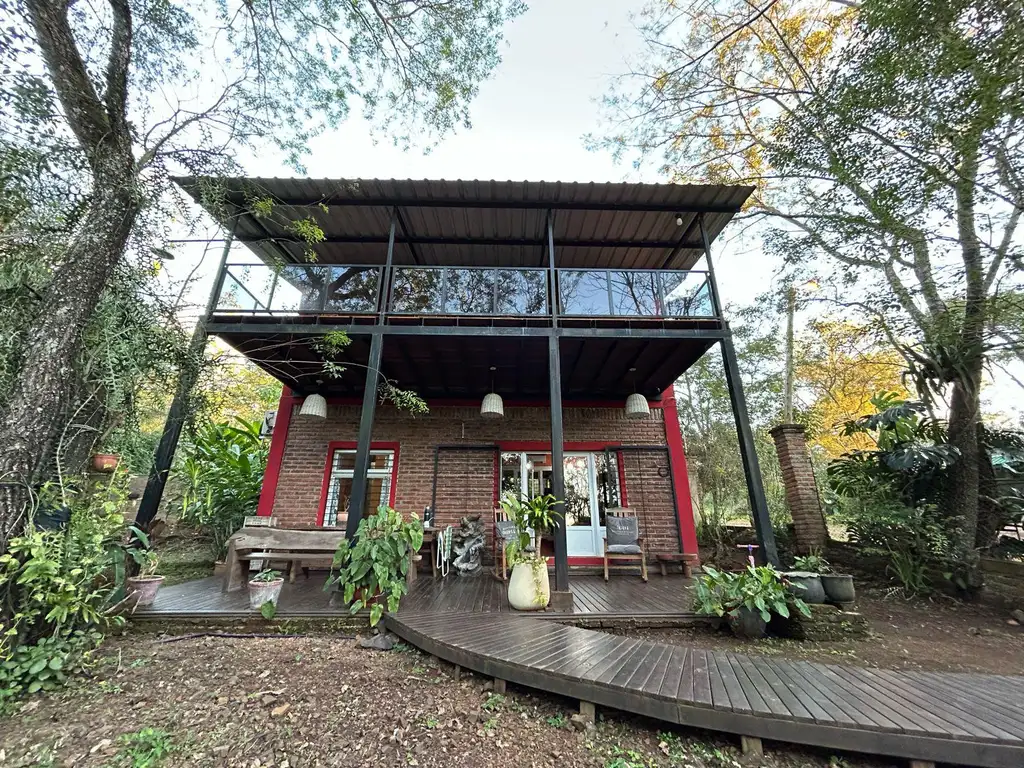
[948, 718]
[622, 597]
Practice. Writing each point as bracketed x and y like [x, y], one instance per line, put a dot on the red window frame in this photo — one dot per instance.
[350, 445]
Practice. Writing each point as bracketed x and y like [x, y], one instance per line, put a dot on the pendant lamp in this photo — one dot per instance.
[492, 407]
[637, 406]
[314, 406]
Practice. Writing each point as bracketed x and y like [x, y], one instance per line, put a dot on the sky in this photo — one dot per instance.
[529, 121]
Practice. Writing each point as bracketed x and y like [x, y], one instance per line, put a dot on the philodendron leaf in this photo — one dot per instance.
[268, 610]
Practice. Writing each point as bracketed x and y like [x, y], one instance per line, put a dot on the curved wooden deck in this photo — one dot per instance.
[948, 718]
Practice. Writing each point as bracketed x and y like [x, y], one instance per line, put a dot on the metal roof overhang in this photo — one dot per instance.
[474, 223]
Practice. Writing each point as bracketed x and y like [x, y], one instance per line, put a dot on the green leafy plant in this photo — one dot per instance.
[493, 702]
[373, 567]
[813, 562]
[531, 518]
[266, 575]
[223, 473]
[268, 610]
[147, 747]
[557, 721]
[760, 589]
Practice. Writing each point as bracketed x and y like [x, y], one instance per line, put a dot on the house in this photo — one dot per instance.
[543, 323]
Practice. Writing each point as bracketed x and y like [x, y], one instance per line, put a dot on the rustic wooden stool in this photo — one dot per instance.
[686, 562]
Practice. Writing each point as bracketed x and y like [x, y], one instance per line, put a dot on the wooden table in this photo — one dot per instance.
[246, 544]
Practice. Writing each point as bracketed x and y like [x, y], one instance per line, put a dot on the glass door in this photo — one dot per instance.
[582, 521]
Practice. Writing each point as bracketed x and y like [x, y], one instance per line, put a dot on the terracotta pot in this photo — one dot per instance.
[261, 592]
[812, 591]
[529, 588]
[748, 623]
[838, 587]
[105, 462]
[144, 588]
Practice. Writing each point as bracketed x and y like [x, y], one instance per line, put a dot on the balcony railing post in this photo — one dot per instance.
[659, 278]
[273, 289]
[444, 290]
[494, 300]
[388, 268]
[552, 274]
[715, 305]
[611, 298]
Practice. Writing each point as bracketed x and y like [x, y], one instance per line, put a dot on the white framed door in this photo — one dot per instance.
[529, 474]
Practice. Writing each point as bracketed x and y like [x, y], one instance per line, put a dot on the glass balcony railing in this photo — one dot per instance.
[323, 289]
[634, 293]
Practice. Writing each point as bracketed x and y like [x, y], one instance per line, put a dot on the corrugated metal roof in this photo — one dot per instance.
[456, 222]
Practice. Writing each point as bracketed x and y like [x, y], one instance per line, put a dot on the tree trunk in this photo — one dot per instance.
[33, 418]
[964, 476]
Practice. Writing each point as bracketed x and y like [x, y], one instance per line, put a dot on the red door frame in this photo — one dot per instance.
[680, 472]
[351, 445]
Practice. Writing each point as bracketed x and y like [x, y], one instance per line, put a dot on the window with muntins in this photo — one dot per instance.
[339, 487]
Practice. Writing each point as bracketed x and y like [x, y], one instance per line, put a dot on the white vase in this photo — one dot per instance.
[528, 587]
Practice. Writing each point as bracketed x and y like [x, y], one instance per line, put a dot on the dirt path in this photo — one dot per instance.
[322, 701]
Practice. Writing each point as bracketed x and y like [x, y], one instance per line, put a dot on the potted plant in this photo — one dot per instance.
[371, 571]
[105, 462]
[746, 599]
[265, 587]
[529, 588]
[144, 586]
[837, 587]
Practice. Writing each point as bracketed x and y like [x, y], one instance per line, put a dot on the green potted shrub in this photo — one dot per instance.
[837, 587]
[265, 587]
[144, 586]
[529, 588]
[746, 599]
[371, 571]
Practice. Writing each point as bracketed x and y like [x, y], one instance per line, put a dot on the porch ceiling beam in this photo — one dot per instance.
[537, 205]
[299, 329]
[513, 242]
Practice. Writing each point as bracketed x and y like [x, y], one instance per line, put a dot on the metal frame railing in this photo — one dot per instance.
[697, 301]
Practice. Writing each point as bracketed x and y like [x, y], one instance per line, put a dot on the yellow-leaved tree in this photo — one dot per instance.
[840, 367]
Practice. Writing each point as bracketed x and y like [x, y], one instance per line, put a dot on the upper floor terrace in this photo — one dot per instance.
[468, 252]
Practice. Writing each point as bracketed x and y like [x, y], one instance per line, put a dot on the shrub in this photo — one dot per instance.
[223, 474]
[757, 588]
[61, 589]
[374, 566]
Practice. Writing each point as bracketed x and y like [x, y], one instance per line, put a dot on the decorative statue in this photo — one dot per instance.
[467, 545]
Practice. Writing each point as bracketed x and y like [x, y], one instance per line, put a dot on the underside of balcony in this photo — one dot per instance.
[452, 365]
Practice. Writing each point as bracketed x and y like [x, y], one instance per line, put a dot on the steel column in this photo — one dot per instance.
[557, 465]
[748, 455]
[362, 467]
[178, 412]
[388, 269]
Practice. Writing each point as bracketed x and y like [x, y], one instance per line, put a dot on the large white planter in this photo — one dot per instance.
[528, 587]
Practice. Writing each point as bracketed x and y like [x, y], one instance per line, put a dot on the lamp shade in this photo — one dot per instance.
[314, 406]
[492, 407]
[637, 407]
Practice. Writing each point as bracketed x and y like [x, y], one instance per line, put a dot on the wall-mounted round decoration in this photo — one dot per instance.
[662, 471]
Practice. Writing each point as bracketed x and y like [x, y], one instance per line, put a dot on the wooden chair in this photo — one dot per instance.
[623, 541]
[500, 539]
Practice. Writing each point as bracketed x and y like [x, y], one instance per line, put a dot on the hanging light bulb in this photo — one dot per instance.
[679, 220]
[637, 406]
[492, 407]
[314, 406]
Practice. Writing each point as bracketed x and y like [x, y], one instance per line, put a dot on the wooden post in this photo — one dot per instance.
[499, 685]
[588, 710]
[922, 764]
[751, 745]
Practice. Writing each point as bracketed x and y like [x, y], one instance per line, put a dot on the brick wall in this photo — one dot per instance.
[466, 479]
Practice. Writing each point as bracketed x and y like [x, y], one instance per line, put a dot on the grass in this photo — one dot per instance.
[146, 748]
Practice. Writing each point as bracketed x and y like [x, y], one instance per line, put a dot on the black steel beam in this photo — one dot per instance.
[318, 329]
[748, 455]
[557, 465]
[362, 467]
[540, 205]
[412, 240]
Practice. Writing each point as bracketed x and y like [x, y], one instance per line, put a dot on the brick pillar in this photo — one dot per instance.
[801, 492]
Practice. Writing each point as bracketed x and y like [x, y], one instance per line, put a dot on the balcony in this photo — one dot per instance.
[420, 293]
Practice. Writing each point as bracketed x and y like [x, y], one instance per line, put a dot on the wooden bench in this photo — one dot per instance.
[276, 544]
[686, 562]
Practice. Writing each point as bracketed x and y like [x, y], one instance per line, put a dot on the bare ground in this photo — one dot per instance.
[936, 635]
[323, 701]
